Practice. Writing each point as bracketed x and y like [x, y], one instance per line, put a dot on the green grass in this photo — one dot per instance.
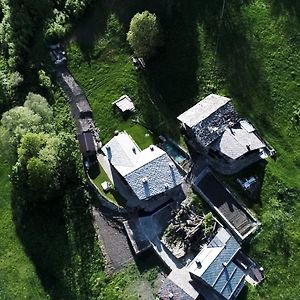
[97, 80]
[252, 56]
[140, 134]
[124, 284]
[65, 260]
[261, 73]
[112, 196]
[18, 278]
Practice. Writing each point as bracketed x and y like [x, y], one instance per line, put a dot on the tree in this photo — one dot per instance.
[38, 162]
[44, 79]
[35, 116]
[144, 34]
[40, 106]
[20, 120]
[46, 162]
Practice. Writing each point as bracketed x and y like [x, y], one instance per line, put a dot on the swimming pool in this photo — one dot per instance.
[176, 153]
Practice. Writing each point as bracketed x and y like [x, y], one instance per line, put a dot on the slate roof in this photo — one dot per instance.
[215, 266]
[82, 104]
[203, 109]
[237, 141]
[70, 85]
[209, 118]
[87, 144]
[155, 177]
[148, 172]
[122, 152]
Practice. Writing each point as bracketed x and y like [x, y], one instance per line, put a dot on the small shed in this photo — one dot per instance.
[124, 104]
[87, 144]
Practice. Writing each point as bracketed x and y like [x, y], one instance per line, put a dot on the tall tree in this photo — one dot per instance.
[144, 34]
[40, 106]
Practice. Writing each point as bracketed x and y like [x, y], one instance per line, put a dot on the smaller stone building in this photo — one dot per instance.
[213, 127]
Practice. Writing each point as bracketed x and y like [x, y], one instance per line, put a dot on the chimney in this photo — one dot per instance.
[198, 263]
[151, 148]
[145, 180]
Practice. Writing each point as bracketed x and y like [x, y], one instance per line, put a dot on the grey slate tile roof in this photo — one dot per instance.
[209, 118]
[122, 152]
[87, 144]
[148, 172]
[237, 141]
[203, 109]
[84, 125]
[161, 175]
[214, 265]
[70, 85]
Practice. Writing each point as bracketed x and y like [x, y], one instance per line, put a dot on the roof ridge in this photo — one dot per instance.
[150, 161]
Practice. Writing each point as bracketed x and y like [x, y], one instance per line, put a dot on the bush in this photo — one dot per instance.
[208, 223]
[44, 79]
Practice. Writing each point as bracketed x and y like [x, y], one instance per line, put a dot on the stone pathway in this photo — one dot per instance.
[152, 228]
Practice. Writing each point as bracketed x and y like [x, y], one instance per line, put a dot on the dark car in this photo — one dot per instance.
[57, 55]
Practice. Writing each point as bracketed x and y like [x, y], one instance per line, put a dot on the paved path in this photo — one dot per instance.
[179, 274]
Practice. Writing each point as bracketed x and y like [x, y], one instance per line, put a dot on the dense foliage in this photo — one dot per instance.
[144, 34]
[26, 27]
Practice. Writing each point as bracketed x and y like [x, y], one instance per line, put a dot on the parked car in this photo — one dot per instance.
[57, 55]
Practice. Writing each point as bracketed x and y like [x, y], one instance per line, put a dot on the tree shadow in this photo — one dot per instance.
[243, 294]
[241, 68]
[292, 23]
[168, 86]
[89, 27]
[148, 260]
[58, 237]
[280, 242]
[291, 6]
[251, 198]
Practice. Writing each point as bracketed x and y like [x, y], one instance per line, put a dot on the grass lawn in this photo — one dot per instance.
[18, 278]
[140, 134]
[252, 56]
[65, 261]
[113, 195]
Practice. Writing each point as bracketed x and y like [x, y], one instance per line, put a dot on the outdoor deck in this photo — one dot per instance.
[221, 199]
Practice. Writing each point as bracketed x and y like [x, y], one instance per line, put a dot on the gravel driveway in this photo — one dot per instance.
[113, 240]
